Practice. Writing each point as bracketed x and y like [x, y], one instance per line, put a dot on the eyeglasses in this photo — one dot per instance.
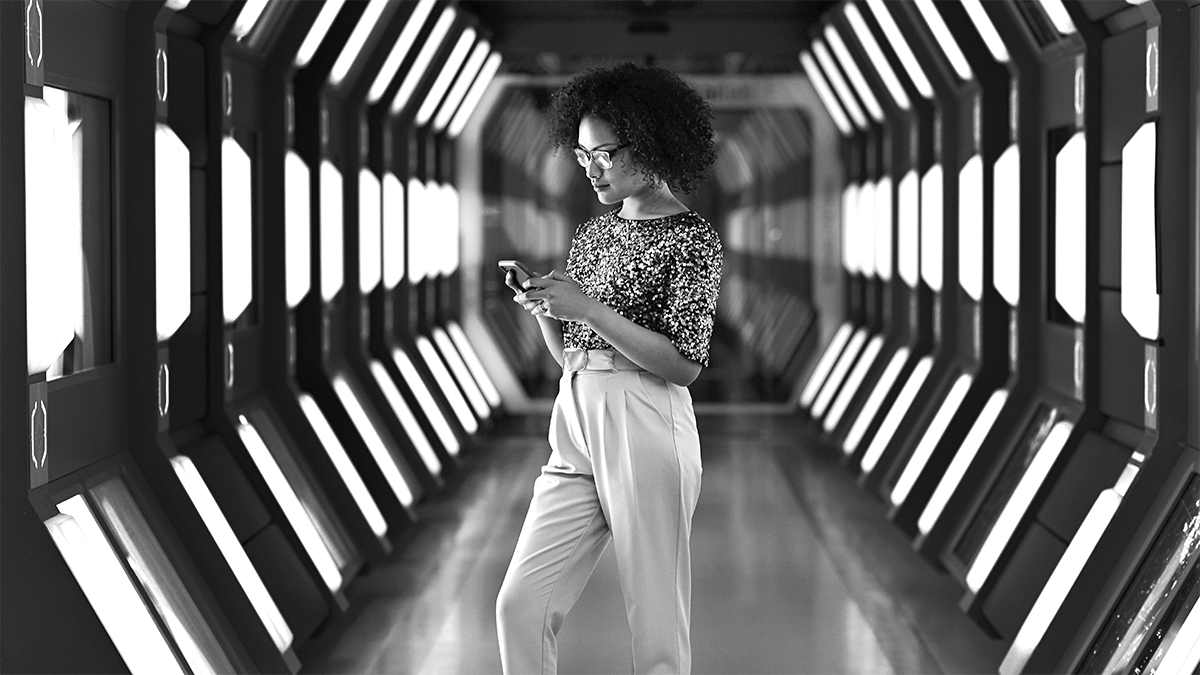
[602, 158]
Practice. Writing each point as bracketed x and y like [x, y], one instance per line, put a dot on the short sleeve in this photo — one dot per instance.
[693, 285]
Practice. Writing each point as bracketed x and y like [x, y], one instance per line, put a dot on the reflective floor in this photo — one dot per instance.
[795, 570]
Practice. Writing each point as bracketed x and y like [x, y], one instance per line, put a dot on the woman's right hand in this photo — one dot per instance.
[510, 280]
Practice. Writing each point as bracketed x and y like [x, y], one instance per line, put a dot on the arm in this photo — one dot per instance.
[552, 333]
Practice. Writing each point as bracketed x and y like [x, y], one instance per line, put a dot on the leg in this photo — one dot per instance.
[560, 544]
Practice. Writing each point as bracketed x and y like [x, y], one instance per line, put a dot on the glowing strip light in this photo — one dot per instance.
[412, 428]
[970, 227]
[475, 364]
[461, 84]
[358, 38]
[839, 84]
[373, 439]
[929, 440]
[474, 94]
[962, 461]
[1059, 16]
[332, 264]
[298, 229]
[826, 94]
[109, 590]
[944, 39]
[850, 228]
[839, 372]
[461, 373]
[172, 231]
[231, 548]
[393, 230]
[1139, 239]
[908, 255]
[1006, 524]
[345, 468]
[297, 515]
[416, 225]
[425, 399]
[987, 30]
[1060, 582]
[248, 17]
[370, 230]
[932, 222]
[875, 56]
[915, 73]
[1183, 656]
[445, 76]
[421, 64]
[895, 416]
[452, 229]
[1006, 225]
[446, 383]
[864, 217]
[856, 77]
[883, 228]
[1070, 227]
[825, 364]
[400, 49]
[853, 383]
[316, 34]
[237, 259]
[875, 400]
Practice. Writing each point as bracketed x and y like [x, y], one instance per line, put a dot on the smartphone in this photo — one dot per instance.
[520, 270]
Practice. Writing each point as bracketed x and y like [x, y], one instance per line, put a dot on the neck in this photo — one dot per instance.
[653, 202]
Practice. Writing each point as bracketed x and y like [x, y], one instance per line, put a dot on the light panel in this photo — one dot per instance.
[298, 229]
[371, 435]
[864, 229]
[839, 85]
[839, 372]
[358, 38]
[1006, 225]
[850, 243]
[929, 440]
[944, 39]
[987, 30]
[1139, 238]
[932, 222]
[412, 428]
[825, 364]
[452, 229]
[908, 258]
[445, 382]
[1017, 504]
[1058, 16]
[474, 94]
[490, 392]
[237, 237]
[826, 94]
[970, 227]
[332, 263]
[445, 76]
[883, 228]
[417, 229]
[316, 34]
[896, 413]
[248, 17]
[883, 16]
[853, 383]
[1183, 656]
[393, 230]
[852, 71]
[424, 57]
[962, 461]
[875, 401]
[1070, 227]
[429, 406]
[875, 55]
[400, 49]
[461, 373]
[461, 84]
[172, 231]
[370, 230]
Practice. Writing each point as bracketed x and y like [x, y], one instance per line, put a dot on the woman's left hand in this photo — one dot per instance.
[558, 296]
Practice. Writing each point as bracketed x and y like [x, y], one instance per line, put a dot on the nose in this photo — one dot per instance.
[593, 170]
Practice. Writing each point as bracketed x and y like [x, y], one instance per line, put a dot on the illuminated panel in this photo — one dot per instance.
[317, 33]
[474, 364]
[445, 76]
[109, 589]
[883, 228]
[298, 229]
[915, 73]
[970, 227]
[899, 409]
[400, 49]
[421, 63]
[853, 383]
[370, 230]
[1006, 225]
[461, 84]
[825, 364]
[172, 231]
[1006, 524]
[474, 94]
[237, 260]
[864, 229]
[393, 230]
[374, 439]
[1070, 227]
[452, 228]
[944, 39]
[908, 255]
[839, 372]
[425, 399]
[358, 38]
[461, 373]
[826, 94]
[412, 428]
[332, 264]
[875, 400]
[1139, 241]
[1183, 655]
[341, 462]
[251, 11]
[987, 30]
[232, 549]
[962, 460]
[839, 85]
[446, 383]
[416, 223]
[1058, 16]
[875, 55]
[850, 228]
[856, 77]
[932, 222]
[933, 434]
[298, 517]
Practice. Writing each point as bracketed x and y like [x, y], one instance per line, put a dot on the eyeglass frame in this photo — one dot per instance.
[585, 157]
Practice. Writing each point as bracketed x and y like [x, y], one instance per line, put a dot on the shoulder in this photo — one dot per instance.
[692, 231]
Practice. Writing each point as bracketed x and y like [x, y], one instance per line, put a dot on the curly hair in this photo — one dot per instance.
[665, 123]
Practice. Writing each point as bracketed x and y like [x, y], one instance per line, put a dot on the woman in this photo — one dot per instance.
[630, 323]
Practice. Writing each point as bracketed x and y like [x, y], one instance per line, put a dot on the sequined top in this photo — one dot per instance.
[663, 274]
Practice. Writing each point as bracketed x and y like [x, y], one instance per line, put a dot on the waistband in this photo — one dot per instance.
[575, 360]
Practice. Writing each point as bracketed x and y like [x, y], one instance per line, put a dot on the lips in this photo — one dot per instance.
[598, 187]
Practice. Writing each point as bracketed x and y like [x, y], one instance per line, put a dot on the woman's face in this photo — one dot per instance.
[618, 183]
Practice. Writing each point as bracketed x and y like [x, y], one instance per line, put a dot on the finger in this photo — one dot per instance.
[558, 276]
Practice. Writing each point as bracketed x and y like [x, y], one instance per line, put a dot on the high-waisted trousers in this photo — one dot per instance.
[624, 467]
